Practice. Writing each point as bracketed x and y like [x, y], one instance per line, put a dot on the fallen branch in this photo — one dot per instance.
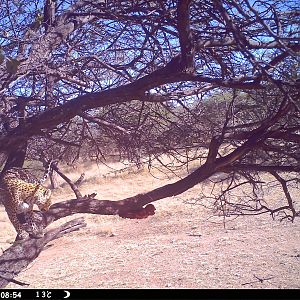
[261, 280]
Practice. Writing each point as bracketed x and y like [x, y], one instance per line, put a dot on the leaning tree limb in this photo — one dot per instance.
[17, 257]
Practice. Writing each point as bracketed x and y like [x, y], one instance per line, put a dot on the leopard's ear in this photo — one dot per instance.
[47, 193]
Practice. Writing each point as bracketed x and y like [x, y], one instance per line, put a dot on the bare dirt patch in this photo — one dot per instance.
[176, 248]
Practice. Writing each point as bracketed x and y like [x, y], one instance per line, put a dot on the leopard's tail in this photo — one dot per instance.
[48, 170]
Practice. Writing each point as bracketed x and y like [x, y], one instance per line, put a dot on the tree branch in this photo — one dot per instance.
[286, 193]
[187, 45]
[68, 180]
[17, 257]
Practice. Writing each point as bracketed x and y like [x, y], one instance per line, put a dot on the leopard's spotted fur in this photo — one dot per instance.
[20, 191]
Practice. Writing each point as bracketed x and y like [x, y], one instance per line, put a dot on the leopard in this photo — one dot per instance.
[20, 192]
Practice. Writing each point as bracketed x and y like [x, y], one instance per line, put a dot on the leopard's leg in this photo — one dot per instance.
[12, 215]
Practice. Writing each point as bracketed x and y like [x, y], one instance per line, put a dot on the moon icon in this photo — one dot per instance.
[68, 294]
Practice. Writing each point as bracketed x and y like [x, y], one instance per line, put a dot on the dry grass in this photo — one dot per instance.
[177, 247]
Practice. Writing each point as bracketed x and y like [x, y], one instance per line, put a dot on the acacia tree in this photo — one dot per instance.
[215, 81]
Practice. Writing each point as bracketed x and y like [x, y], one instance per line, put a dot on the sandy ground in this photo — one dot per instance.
[178, 247]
